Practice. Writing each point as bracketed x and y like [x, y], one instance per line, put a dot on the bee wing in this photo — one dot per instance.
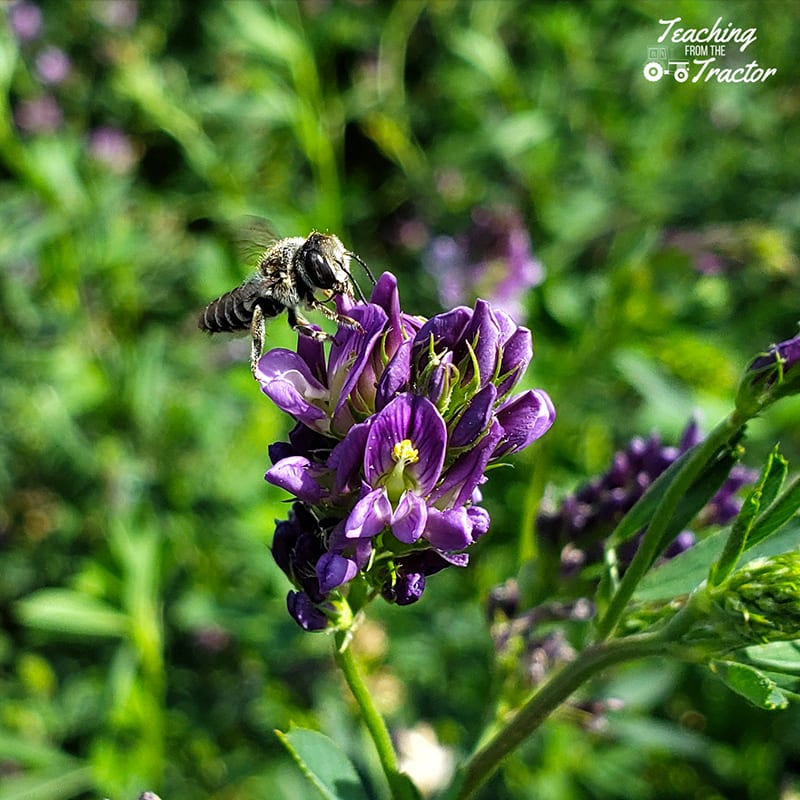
[253, 236]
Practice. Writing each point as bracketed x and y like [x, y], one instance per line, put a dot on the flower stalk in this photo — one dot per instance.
[550, 696]
[399, 784]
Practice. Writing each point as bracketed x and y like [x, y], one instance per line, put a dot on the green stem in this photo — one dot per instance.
[595, 658]
[372, 718]
[648, 549]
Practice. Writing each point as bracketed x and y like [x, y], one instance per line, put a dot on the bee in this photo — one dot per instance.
[288, 276]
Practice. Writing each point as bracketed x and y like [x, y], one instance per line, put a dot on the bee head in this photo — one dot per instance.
[323, 262]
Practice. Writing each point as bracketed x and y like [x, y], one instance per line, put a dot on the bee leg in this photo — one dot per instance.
[257, 333]
[342, 319]
[305, 328]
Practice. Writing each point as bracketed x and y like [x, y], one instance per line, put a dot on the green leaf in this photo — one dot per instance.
[33, 754]
[736, 543]
[776, 656]
[776, 470]
[789, 685]
[48, 784]
[763, 493]
[325, 766]
[750, 683]
[778, 514]
[68, 611]
[680, 575]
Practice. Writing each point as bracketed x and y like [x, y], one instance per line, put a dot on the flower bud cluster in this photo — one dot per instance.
[760, 602]
[395, 429]
[757, 604]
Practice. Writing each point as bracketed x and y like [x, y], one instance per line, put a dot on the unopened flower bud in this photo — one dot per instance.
[769, 377]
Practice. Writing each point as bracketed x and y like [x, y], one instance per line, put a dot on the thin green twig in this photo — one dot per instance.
[595, 658]
[399, 784]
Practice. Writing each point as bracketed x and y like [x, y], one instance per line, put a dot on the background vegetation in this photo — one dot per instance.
[144, 641]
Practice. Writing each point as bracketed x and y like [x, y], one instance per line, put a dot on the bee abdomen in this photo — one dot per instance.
[231, 312]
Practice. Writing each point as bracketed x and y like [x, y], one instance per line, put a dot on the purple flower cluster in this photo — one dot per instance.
[395, 430]
[579, 526]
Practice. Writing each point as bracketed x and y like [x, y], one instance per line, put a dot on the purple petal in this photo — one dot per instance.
[449, 530]
[461, 479]
[370, 515]
[405, 590]
[351, 350]
[283, 543]
[443, 376]
[313, 353]
[358, 550]
[429, 562]
[483, 335]
[277, 451]
[293, 474]
[305, 613]
[682, 542]
[333, 570]
[446, 330]
[395, 376]
[416, 419]
[788, 352]
[347, 458]
[480, 521]
[506, 323]
[410, 516]
[475, 418]
[517, 354]
[525, 418]
[308, 442]
[286, 379]
[690, 436]
[385, 295]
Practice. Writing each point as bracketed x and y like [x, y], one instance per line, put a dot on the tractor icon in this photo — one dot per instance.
[658, 64]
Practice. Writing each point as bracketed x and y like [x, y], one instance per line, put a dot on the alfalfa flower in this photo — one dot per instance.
[396, 426]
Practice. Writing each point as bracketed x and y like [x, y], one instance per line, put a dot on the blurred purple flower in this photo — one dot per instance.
[395, 430]
[493, 258]
[39, 115]
[25, 20]
[698, 246]
[116, 13]
[583, 520]
[52, 65]
[112, 147]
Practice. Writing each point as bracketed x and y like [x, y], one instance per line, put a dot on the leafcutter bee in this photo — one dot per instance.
[289, 276]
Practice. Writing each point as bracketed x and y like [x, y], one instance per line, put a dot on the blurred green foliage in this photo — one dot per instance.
[144, 639]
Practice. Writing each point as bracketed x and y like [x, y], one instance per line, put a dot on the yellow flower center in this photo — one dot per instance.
[405, 452]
